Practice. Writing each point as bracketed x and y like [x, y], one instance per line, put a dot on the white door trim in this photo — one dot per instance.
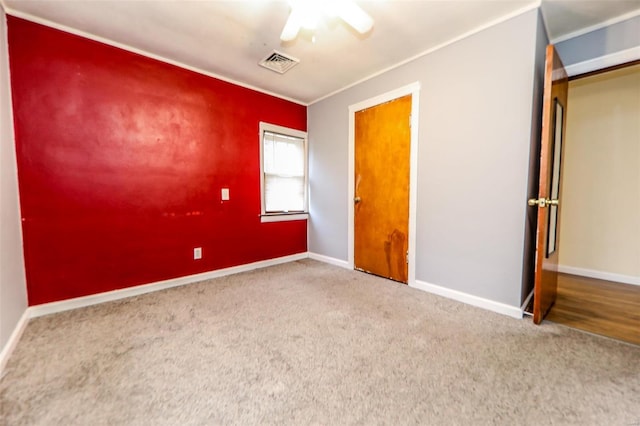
[413, 90]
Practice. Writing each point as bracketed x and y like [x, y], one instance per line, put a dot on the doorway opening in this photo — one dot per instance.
[599, 254]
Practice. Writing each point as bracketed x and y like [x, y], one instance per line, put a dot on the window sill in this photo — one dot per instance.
[283, 217]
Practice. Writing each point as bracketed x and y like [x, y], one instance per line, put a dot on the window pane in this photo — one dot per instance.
[283, 193]
[289, 158]
[283, 155]
[268, 153]
[284, 172]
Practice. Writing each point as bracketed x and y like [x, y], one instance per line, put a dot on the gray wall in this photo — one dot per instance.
[13, 293]
[474, 146]
[614, 38]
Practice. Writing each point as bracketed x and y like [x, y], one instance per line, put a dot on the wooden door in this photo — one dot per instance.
[554, 112]
[381, 211]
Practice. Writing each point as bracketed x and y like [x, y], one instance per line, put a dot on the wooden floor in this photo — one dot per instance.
[600, 307]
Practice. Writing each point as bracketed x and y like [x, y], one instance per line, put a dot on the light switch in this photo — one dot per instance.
[225, 194]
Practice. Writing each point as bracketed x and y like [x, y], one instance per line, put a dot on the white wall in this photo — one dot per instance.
[476, 109]
[13, 295]
[600, 213]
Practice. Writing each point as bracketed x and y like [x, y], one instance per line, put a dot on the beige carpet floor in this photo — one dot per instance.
[309, 343]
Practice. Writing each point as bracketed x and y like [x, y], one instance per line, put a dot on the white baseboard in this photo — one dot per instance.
[526, 302]
[94, 299]
[501, 308]
[606, 61]
[13, 340]
[65, 305]
[600, 275]
[330, 260]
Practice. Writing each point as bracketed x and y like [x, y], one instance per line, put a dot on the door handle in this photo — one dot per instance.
[543, 202]
[357, 200]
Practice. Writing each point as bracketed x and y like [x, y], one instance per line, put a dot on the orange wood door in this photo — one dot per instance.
[554, 113]
[381, 211]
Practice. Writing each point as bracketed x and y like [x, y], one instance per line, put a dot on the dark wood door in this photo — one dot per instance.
[554, 112]
[381, 211]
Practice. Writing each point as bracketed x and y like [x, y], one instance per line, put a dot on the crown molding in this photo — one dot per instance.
[128, 48]
[503, 18]
[596, 27]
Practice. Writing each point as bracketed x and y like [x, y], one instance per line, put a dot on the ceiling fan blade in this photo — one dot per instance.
[353, 15]
[292, 27]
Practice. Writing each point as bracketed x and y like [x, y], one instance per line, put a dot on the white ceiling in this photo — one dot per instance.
[229, 38]
[566, 17]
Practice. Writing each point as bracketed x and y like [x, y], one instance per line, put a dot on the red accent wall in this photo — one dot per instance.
[121, 159]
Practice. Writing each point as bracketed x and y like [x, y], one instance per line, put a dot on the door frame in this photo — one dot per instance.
[412, 89]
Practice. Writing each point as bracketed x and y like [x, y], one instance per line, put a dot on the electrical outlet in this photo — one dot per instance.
[197, 253]
[224, 193]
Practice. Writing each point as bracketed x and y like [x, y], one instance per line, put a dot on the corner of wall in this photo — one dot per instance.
[543, 29]
[531, 221]
[13, 292]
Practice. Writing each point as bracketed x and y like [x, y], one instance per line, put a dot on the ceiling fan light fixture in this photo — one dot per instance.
[292, 27]
[353, 15]
[307, 14]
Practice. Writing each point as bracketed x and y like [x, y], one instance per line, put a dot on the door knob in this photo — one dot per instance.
[357, 200]
[543, 202]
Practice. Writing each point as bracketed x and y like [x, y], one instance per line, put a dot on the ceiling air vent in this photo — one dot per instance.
[279, 62]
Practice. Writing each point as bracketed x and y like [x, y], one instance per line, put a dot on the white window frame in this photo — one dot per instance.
[283, 216]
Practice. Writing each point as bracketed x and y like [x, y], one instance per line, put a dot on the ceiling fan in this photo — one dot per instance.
[307, 14]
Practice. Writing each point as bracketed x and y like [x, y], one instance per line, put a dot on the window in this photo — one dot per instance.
[283, 173]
